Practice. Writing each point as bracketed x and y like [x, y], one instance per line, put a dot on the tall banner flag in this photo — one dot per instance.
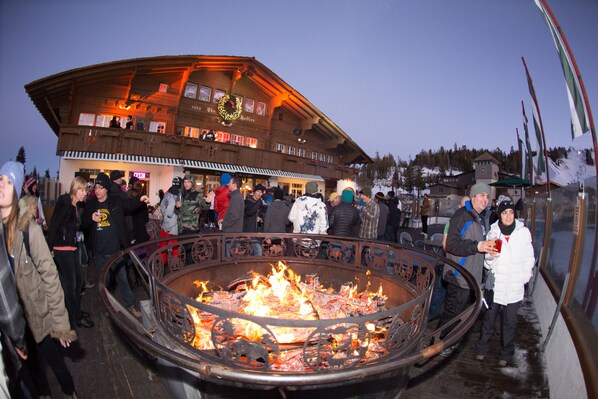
[539, 128]
[528, 145]
[521, 154]
[578, 103]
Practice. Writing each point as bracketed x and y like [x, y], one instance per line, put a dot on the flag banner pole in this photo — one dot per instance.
[528, 145]
[581, 113]
[539, 127]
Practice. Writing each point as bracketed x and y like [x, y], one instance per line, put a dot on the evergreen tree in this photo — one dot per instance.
[47, 173]
[21, 155]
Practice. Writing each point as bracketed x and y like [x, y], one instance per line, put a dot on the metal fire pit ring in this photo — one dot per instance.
[411, 267]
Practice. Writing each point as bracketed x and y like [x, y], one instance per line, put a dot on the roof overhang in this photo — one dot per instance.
[220, 167]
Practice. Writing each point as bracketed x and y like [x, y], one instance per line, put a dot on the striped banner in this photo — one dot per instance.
[580, 122]
[541, 165]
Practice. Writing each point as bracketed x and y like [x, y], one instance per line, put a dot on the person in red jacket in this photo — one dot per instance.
[222, 199]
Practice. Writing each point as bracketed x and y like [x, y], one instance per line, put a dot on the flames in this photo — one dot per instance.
[281, 295]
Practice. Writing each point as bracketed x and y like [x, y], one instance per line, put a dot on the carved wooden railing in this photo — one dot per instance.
[143, 143]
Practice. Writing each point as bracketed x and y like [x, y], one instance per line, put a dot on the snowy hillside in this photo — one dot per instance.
[564, 172]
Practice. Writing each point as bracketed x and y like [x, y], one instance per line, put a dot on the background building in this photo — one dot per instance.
[160, 117]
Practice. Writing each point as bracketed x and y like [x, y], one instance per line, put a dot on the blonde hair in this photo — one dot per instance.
[77, 184]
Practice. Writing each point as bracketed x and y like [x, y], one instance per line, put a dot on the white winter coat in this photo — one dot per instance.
[513, 267]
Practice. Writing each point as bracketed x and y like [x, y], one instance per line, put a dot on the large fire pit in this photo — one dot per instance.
[355, 355]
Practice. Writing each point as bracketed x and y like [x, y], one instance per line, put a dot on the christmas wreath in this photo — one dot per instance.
[229, 108]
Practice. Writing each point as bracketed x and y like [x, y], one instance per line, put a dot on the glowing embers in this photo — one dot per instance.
[282, 295]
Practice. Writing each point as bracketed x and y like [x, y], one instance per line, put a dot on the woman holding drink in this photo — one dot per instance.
[512, 269]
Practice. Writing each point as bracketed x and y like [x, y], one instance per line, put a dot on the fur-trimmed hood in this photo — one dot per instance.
[27, 211]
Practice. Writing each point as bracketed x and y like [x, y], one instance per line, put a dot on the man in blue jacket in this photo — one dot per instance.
[466, 244]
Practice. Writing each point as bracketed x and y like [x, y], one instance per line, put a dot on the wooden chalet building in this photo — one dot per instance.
[204, 115]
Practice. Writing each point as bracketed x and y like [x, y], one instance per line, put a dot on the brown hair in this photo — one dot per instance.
[10, 223]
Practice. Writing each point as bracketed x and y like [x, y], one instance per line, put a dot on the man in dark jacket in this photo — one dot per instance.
[110, 234]
[277, 214]
[384, 215]
[233, 220]
[466, 244]
[394, 218]
[253, 204]
[345, 217]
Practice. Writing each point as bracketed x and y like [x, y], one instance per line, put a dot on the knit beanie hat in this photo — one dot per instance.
[225, 178]
[190, 177]
[278, 193]
[333, 196]
[103, 180]
[479, 188]
[176, 181]
[30, 182]
[15, 171]
[503, 203]
[311, 187]
[116, 174]
[347, 196]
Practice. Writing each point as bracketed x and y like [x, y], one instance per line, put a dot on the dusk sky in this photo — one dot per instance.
[397, 76]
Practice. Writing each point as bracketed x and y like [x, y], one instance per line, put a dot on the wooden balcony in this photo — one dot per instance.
[135, 142]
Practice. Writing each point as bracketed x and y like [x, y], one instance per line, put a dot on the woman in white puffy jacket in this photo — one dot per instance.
[512, 269]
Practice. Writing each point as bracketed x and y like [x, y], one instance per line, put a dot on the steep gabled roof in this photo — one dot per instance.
[61, 86]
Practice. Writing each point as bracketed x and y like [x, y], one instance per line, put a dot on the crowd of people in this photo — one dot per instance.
[43, 266]
[43, 270]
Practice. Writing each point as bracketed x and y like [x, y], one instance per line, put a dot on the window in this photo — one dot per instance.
[322, 157]
[157, 127]
[251, 142]
[261, 109]
[218, 94]
[291, 150]
[296, 190]
[163, 88]
[248, 106]
[279, 147]
[301, 152]
[205, 93]
[86, 119]
[190, 90]
[330, 159]
[103, 120]
[314, 155]
[236, 139]
[191, 132]
[223, 137]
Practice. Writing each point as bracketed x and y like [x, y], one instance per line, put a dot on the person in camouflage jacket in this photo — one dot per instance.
[189, 205]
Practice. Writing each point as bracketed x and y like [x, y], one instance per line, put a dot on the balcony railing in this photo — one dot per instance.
[143, 143]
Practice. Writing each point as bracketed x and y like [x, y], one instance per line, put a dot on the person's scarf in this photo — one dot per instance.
[506, 230]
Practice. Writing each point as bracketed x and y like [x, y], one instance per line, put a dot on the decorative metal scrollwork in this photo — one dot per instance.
[175, 317]
[274, 246]
[376, 258]
[306, 247]
[240, 246]
[339, 252]
[202, 250]
[156, 265]
[235, 349]
[176, 260]
[339, 346]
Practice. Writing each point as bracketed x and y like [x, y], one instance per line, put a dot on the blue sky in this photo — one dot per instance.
[397, 76]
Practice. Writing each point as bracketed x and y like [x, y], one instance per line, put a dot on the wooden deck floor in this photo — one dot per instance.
[105, 365]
